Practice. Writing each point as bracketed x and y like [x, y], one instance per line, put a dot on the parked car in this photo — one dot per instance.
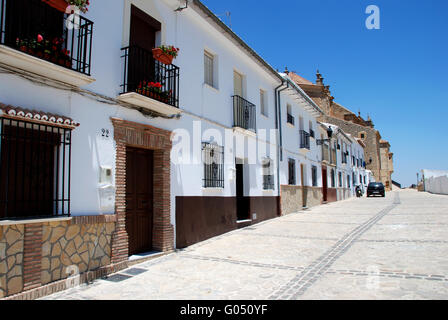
[376, 188]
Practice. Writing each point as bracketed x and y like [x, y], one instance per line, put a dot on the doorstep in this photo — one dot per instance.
[143, 257]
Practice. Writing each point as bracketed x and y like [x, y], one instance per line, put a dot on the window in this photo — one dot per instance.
[268, 177]
[312, 135]
[304, 140]
[314, 175]
[365, 180]
[35, 169]
[213, 158]
[354, 179]
[263, 103]
[289, 117]
[291, 171]
[333, 179]
[348, 181]
[340, 179]
[208, 68]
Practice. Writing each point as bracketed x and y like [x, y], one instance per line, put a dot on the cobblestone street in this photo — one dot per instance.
[370, 248]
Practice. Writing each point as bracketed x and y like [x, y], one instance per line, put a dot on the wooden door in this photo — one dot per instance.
[324, 184]
[238, 84]
[142, 40]
[139, 199]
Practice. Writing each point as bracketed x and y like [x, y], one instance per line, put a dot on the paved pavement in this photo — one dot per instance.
[370, 248]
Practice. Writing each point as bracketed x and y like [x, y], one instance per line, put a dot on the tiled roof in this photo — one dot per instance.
[298, 79]
[36, 116]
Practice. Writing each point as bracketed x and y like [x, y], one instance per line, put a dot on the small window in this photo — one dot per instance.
[268, 176]
[208, 68]
[291, 171]
[289, 117]
[340, 179]
[348, 181]
[213, 158]
[314, 175]
[263, 103]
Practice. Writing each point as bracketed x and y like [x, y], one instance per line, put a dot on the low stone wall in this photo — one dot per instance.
[38, 252]
[11, 259]
[291, 199]
[343, 193]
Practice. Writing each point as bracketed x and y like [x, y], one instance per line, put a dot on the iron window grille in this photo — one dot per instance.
[348, 181]
[149, 77]
[291, 172]
[69, 36]
[268, 177]
[213, 159]
[244, 114]
[314, 175]
[304, 140]
[35, 165]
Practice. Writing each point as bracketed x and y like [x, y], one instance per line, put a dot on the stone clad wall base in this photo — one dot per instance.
[291, 199]
[314, 196]
[37, 254]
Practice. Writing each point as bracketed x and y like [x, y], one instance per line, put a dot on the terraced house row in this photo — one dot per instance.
[110, 148]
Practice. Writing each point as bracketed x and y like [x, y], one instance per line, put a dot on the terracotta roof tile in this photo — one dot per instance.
[37, 116]
[298, 79]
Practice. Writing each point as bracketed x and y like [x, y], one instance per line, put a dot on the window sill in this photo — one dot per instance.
[264, 115]
[206, 85]
[290, 125]
[31, 221]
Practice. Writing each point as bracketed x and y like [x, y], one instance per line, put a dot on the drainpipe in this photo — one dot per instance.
[278, 127]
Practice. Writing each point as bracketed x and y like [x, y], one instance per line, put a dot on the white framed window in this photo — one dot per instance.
[263, 103]
[209, 66]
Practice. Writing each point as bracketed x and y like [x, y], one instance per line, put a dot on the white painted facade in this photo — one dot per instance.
[205, 111]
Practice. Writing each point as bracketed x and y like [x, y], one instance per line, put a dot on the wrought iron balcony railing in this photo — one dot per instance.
[244, 114]
[304, 140]
[149, 77]
[40, 30]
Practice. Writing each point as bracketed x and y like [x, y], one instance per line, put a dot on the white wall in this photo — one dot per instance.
[437, 185]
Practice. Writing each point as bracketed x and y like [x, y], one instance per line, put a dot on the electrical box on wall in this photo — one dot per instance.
[105, 175]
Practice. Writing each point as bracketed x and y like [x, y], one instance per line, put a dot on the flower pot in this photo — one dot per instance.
[60, 5]
[68, 63]
[161, 56]
[24, 49]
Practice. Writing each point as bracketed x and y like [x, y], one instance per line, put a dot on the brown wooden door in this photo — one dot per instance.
[324, 184]
[139, 199]
[142, 35]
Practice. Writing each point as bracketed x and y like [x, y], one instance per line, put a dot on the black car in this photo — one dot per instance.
[376, 188]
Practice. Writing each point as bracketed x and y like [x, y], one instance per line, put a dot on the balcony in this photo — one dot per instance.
[39, 39]
[304, 140]
[244, 114]
[149, 83]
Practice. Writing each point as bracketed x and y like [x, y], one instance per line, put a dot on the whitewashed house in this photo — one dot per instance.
[300, 165]
[102, 164]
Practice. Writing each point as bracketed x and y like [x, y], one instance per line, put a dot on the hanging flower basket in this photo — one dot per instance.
[60, 5]
[165, 54]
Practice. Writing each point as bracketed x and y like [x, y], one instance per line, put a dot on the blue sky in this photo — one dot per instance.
[397, 74]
